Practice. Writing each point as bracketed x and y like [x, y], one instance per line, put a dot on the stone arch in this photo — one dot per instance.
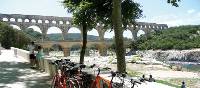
[140, 32]
[75, 50]
[36, 28]
[56, 50]
[67, 22]
[12, 19]
[57, 47]
[53, 22]
[4, 19]
[93, 49]
[15, 26]
[39, 21]
[127, 34]
[72, 32]
[94, 35]
[109, 34]
[19, 20]
[61, 22]
[46, 21]
[55, 31]
[26, 20]
[33, 21]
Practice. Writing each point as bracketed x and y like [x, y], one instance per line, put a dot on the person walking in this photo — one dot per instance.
[40, 58]
[32, 57]
[183, 85]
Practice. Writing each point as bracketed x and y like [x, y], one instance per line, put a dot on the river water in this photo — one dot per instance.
[189, 66]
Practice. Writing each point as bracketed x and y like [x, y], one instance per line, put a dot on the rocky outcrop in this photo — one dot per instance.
[172, 55]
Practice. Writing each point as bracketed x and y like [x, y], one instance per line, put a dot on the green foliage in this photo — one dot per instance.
[10, 37]
[183, 37]
[135, 59]
[33, 34]
[174, 2]
[133, 73]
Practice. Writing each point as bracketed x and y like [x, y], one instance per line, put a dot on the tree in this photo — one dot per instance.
[117, 24]
[115, 13]
[12, 37]
[82, 16]
[101, 11]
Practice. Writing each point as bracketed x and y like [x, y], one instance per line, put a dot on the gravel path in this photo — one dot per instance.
[15, 73]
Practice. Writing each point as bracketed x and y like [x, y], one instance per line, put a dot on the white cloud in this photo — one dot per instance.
[198, 14]
[190, 11]
[175, 19]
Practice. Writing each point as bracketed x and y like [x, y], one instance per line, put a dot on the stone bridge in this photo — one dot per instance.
[67, 45]
[65, 23]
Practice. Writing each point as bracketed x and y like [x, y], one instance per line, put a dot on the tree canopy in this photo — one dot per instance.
[10, 37]
[183, 37]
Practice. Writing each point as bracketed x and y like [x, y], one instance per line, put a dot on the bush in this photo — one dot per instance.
[135, 59]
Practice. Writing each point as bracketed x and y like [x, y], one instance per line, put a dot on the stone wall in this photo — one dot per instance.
[173, 55]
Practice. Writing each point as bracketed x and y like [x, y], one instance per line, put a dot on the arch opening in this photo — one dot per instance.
[109, 35]
[67, 22]
[46, 21]
[39, 21]
[54, 22]
[26, 20]
[75, 50]
[19, 20]
[73, 34]
[35, 28]
[56, 50]
[93, 35]
[127, 34]
[60, 22]
[35, 32]
[93, 50]
[54, 34]
[5, 19]
[12, 19]
[33, 21]
[15, 27]
[140, 33]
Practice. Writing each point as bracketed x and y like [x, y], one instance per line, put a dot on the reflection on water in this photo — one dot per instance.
[189, 66]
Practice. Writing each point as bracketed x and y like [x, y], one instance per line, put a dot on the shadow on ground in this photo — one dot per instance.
[19, 75]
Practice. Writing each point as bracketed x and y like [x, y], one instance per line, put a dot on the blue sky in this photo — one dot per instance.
[156, 11]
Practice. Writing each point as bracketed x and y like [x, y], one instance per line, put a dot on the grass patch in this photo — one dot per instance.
[133, 73]
[111, 59]
[190, 82]
[176, 82]
[167, 83]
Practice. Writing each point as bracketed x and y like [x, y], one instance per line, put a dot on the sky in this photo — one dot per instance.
[154, 11]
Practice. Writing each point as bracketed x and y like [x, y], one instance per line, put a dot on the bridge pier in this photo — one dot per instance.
[103, 51]
[66, 52]
[134, 34]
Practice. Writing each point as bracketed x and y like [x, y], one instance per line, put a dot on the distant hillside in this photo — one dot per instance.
[183, 37]
[71, 36]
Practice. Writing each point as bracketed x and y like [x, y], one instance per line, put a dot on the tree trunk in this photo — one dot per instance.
[84, 44]
[117, 24]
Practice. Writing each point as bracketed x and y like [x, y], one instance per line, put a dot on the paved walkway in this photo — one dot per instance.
[15, 73]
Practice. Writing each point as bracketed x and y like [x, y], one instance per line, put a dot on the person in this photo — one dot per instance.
[40, 58]
[183, 85]
[151, 79]
[15, 52]
[143, 79]
[32, 57]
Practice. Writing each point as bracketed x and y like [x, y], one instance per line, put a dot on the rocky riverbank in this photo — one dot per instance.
[172, 55]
